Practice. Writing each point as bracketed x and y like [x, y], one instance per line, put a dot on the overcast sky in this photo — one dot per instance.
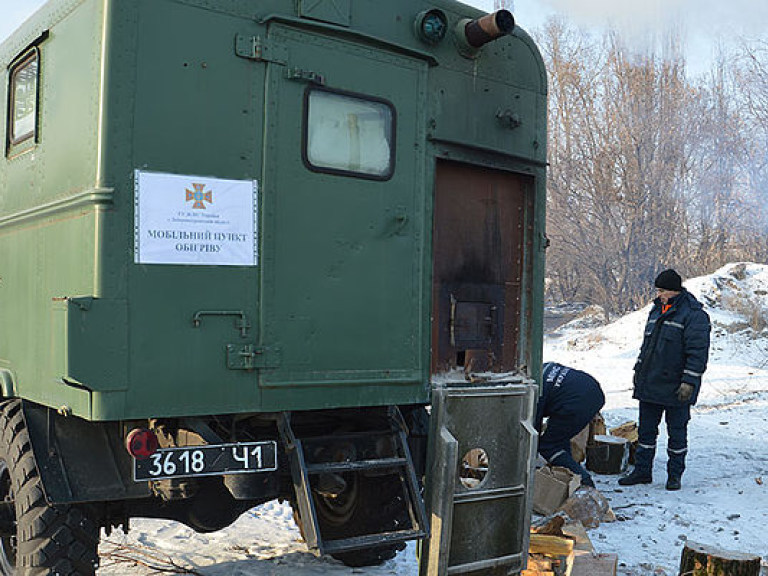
[703, 23]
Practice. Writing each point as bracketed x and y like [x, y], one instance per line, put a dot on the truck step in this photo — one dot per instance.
[377, 452]
[358, 542]
[355, 466]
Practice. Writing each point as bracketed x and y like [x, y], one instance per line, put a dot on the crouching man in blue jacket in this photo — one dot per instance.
[570, 399]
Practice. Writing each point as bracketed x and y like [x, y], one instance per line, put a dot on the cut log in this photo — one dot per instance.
[596, 427]
[588, 506]
[702, 560]
[579, 444]
[550, 545]
[539, 563]
[608, 455]
[629, 431]
[576, 532]
[553, 526]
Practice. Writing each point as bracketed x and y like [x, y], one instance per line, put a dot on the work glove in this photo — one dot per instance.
[685, 392]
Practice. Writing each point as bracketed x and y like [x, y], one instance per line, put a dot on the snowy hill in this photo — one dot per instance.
[724, 500]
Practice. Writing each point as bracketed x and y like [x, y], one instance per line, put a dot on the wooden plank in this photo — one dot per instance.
[594, 565]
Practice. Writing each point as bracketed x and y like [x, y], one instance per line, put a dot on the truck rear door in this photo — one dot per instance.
[343, 244]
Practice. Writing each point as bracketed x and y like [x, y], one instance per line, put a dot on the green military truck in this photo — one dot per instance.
[242, 244]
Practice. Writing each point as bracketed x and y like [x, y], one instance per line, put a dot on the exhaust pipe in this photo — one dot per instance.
[474, 34]
[490, 27]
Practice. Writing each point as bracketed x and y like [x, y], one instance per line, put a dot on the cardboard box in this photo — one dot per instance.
[552, 486]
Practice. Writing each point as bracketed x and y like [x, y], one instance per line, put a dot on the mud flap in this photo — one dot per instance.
[480, 479]
[80, 461]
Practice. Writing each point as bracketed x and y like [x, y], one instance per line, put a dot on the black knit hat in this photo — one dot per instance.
[669, 280]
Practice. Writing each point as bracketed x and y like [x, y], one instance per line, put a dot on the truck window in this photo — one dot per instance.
[349, 134]
[22, 117]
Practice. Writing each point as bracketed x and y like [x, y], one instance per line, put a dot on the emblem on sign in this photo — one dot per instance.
[199, 196]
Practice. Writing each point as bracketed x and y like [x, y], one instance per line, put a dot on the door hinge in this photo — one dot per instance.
[252, 357]
[260, 49]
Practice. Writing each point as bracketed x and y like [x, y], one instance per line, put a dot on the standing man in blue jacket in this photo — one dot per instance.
[570, 398]
[668, 374]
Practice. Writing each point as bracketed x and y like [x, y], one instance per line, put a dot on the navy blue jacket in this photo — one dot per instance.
[675, 350]
[569, 394]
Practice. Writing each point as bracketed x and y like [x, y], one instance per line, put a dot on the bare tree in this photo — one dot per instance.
[719, 206]
[750, 74]
[619, 150]
[648, 168]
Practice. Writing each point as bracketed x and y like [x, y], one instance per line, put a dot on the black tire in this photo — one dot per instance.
[370, 504]
[61, 540]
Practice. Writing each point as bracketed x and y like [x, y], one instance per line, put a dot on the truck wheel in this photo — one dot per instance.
[48, 539]
[369, 505]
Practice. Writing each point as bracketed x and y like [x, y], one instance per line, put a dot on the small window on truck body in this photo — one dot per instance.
[349, 134]
[23, 98]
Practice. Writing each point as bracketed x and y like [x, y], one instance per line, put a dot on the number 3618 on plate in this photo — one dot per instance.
[208, 460]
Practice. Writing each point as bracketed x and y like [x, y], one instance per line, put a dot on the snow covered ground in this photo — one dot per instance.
[724, 500]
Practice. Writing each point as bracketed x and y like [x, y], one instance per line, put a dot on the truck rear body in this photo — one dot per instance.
[335, 306]
[256, 224]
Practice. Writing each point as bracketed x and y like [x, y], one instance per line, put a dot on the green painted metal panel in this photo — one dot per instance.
[332, 11]
[350, 311]
[197, 112]
[97, 343]
[49, 208]
[338, 306]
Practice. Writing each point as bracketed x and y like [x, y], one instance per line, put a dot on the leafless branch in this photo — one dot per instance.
[143, 556]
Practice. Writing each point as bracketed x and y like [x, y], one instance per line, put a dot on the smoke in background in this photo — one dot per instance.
[713, 17]
[701, 27]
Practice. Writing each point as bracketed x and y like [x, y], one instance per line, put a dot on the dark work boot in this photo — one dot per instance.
[636, 477]
[673, 483]
[643, 466]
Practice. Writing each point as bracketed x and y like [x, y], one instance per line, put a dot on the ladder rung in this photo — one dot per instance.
[377, 464]
[348, 436]
[341, 545]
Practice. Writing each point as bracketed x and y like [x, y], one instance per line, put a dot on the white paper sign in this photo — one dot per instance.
[195, 220]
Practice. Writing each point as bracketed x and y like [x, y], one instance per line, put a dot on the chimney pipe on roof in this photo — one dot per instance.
[471, 35]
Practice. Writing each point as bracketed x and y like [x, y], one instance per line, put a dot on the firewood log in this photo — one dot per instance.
[703, 560]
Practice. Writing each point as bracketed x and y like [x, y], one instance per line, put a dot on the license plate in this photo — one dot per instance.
[209, 460]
